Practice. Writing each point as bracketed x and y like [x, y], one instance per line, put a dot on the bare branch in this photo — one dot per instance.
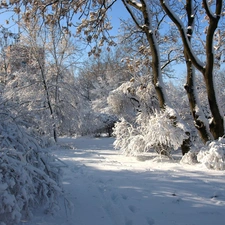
[198, 64]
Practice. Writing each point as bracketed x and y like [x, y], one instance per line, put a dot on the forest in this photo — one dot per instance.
[156, 85]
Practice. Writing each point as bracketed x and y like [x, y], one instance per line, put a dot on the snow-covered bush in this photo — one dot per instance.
[162, 132]
[128, 138]
[213, 155]
[29, 175]
[156, 132]
[189, 158]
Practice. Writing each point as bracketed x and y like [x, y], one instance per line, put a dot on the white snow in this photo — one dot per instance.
[103, 187]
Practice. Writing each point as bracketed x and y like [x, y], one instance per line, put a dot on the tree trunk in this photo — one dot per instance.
[185, 147]
[48, 99]
[190, 89]
[150, 35]
[190, 82]
[217, 122]
[156, 64]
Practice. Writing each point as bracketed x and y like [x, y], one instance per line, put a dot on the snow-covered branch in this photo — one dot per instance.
[199, 65]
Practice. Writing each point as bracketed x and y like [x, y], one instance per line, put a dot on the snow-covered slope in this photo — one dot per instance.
[103, 187]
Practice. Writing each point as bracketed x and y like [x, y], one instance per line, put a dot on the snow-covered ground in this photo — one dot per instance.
[103, 187]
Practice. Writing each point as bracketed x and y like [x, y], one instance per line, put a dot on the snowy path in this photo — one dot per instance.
[109, 189]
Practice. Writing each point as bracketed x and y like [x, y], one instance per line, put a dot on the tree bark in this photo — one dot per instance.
[217, 122]
[46, 89]
[190, 81]
[150, 34]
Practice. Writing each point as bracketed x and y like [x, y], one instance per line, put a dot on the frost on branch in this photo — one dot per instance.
[29, 176]
[128, 138]
[132, 97]
[213, 156]
[123, 101]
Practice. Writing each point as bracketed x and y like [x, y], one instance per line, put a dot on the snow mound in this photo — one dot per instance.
[213, 156]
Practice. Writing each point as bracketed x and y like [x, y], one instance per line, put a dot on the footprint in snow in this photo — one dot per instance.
[124, 196]
[102, 189]
[177, 200]
[114, 197]
[132, 208]
[150, 221]
[129, 222]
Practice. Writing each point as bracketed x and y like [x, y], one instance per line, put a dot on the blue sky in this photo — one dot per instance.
[118, 12]
[8, 16]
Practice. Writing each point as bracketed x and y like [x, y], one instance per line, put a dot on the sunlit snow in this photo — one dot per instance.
[103, 187]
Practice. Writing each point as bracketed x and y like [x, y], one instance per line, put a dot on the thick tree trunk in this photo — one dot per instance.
[150, 35]
[190, 81]
[156, 64]
[185, 147]
[217, 122]
[190, 89]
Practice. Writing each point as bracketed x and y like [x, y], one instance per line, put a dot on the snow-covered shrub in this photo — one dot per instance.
[29, 176]
[128, 138]
[189, 158]
[162, 132]
[213, 155]
[156, 132]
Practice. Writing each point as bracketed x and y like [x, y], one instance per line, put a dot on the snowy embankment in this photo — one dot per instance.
[106, 188]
